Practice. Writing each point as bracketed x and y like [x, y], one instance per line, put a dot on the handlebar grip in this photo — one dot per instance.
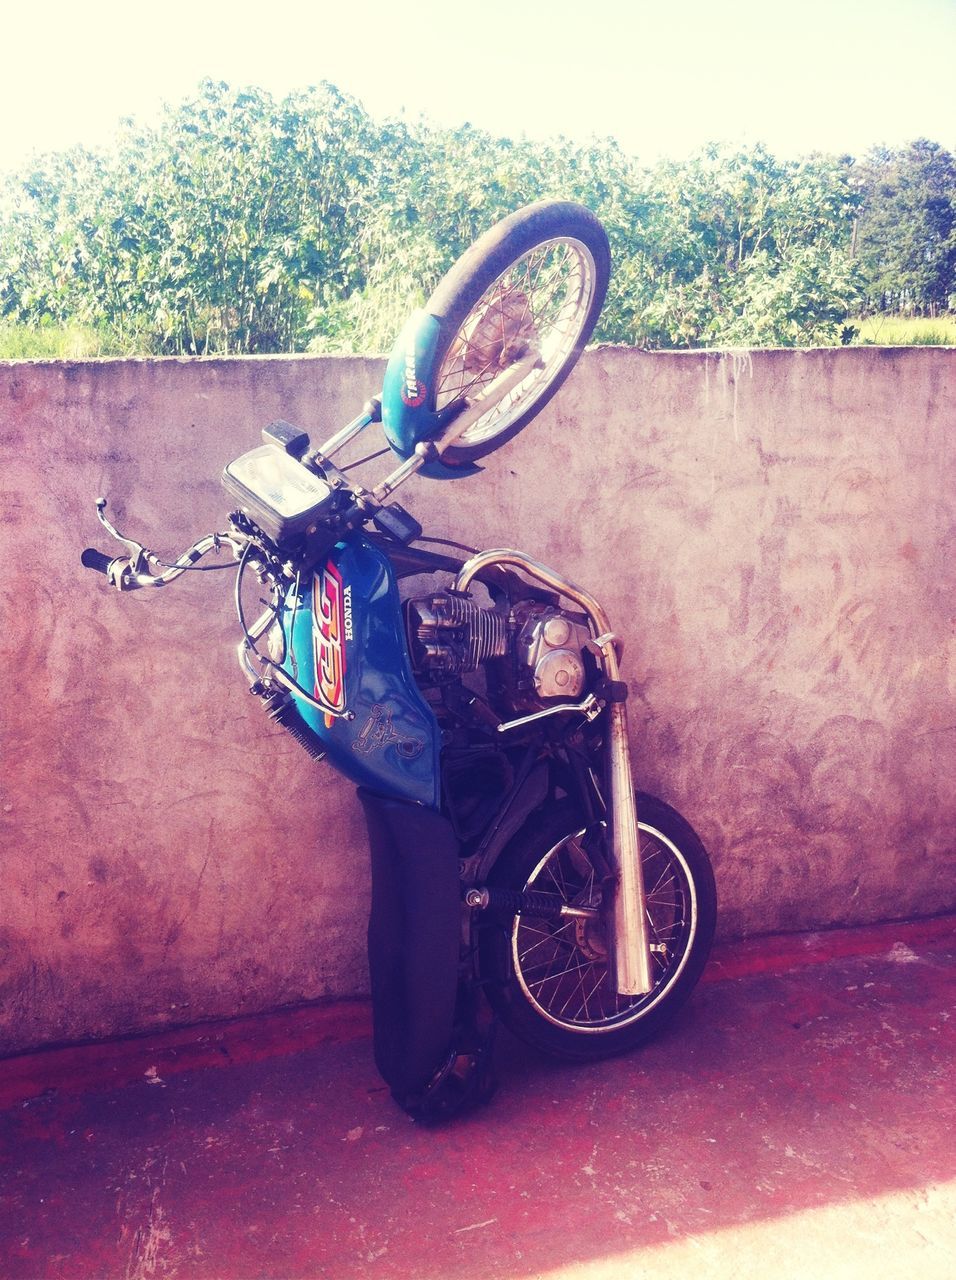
[93, 559]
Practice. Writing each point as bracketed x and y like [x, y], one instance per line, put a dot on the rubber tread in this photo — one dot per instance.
[490, 256]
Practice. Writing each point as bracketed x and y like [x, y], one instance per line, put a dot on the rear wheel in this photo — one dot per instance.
[549, 977]
[527, 292]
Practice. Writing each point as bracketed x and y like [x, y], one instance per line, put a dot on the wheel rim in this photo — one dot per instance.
[541, 301]
[562, 967]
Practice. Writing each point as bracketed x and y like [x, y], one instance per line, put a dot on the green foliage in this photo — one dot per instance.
[906, 239]
[53, 342]
[885, 330]
[219, 230]
[739, 248]
[242, 223]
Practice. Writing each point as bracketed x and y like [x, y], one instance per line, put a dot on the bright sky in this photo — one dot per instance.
[662, 77]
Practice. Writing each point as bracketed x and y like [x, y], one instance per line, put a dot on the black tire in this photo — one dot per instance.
[535, 280]
[536, 966]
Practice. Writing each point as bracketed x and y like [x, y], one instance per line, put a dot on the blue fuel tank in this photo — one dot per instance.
[346, 644]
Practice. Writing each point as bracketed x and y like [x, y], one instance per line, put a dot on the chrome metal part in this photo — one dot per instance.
[559, 673]
[556, 632]
[474, 410]
[450, 633]
[401, 473]
[629, 961]
[562, 972]
[599, 642]
[581, 913]
[128, 575]
[347, 433]
[590, 708]
[489, 396]
[540, 573]
[542, 299]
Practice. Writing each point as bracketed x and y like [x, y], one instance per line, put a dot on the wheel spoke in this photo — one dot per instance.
[666, 874]
[584, 970]
[552, 283]
[533, 284]
[559, 969]
[563, 973]
[600, 974]
[555, 870]
[663, 933]
[546, 291]
[553, 938]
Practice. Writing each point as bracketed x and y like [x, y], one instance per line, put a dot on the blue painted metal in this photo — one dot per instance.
[408, 395]
[348, 647]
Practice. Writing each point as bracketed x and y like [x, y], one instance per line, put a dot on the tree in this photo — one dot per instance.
[243, 223]
[219, 229]
[906, 239]
[738, 247]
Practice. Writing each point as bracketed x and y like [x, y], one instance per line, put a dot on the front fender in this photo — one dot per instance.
[408, 394]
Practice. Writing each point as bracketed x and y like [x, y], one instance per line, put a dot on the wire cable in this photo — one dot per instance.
[191, 568]
[370, 457]
[450, 542]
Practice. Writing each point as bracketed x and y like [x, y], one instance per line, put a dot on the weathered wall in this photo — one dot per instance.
[773, 536]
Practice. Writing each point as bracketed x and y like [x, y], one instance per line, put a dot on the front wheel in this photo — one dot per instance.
[529, 291]
[548, 978]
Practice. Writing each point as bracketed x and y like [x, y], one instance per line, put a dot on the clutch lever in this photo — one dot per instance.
[139, 556]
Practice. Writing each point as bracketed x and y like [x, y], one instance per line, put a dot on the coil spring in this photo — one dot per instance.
[282, 710]
[512, 902]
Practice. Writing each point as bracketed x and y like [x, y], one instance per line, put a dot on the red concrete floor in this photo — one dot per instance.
[798, 1120]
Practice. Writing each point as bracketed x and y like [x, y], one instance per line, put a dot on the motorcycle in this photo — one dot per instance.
[516, 876]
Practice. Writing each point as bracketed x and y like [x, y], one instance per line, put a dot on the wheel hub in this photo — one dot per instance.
[500, 333]
[590, 939]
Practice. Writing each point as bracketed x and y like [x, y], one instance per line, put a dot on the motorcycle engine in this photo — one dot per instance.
[534, 654]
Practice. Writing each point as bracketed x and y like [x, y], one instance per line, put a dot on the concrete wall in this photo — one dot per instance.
[772, 535]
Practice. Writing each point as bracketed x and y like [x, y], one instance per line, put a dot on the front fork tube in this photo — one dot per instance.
[629, 958]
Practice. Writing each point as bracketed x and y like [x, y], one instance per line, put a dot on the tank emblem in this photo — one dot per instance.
[378, 733]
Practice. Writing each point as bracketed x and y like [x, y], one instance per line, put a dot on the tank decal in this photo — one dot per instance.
[328, 638]
[348, 644]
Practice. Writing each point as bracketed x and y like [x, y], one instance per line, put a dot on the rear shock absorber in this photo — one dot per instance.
[512, 902]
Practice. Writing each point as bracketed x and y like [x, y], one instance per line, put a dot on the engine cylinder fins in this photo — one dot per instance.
[450, 633]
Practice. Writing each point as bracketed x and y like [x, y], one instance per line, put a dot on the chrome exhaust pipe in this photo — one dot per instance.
[630, 974]
[629, 959]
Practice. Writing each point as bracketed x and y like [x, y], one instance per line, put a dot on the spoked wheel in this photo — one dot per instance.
[524, 300]
[552, 975]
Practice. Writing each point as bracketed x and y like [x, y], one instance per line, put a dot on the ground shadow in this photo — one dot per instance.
[769, 1095]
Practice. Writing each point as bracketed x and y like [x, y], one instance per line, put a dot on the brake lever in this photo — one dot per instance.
[139, 557]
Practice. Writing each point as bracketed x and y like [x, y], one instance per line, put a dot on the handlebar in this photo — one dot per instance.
[127, 573]
[131, 571]
[93, 559]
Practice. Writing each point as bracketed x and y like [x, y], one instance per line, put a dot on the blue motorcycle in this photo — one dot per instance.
[515, 873]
